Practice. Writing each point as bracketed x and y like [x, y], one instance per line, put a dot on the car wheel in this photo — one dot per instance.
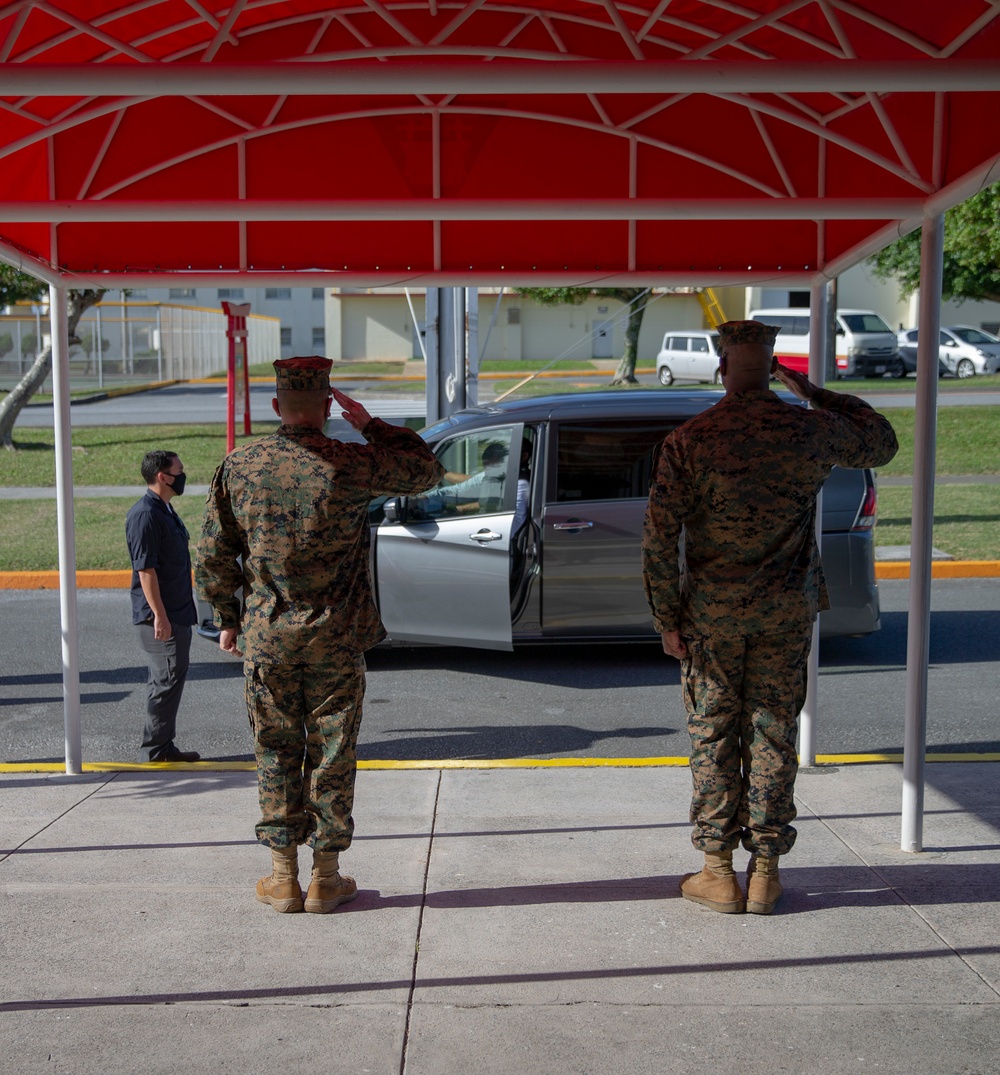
[666, 377]
[717, 377]
[897, 369]
[965, 368]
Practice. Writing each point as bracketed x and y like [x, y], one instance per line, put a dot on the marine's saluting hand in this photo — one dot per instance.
[795, 382]
[353, 413]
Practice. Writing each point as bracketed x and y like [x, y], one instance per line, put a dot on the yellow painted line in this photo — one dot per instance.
[464, 763]
[110, 580]
[49, 580]
[527, 763]
[941, 569]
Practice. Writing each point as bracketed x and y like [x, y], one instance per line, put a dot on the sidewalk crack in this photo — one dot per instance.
[420, 923]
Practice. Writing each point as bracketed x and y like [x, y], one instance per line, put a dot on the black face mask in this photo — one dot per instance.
[177, 485]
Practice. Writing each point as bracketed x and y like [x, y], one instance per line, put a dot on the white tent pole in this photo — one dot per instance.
[58, 322]
[922, 536]
[818, 323]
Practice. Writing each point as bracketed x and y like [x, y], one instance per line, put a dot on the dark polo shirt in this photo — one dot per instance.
[158, 539]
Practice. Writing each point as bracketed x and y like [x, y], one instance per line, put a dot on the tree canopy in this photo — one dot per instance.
[971, 252]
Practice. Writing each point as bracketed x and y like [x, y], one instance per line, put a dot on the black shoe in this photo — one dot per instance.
[173, 754]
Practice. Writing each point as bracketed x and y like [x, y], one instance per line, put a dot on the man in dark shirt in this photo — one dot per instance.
[163, 610]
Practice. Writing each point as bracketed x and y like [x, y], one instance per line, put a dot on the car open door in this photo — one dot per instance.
[442, 566]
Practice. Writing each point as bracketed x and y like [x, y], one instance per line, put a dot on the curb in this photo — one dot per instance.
[113, 580]
[941, 569]
[467, 763]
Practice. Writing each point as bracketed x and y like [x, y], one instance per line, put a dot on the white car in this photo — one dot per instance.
[688, 356]
[963, 350]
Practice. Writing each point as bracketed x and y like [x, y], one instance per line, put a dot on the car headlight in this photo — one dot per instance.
[854, 351]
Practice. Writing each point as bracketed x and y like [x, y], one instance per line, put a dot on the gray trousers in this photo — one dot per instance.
[168, 665]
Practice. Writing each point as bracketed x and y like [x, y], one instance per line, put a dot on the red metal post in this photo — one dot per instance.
[237, 374]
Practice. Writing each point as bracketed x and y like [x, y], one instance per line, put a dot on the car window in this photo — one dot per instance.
[475, 481]
[699, 344]
[609, 460]
[973, 335]
[677, 343]
[864, 323]
[946, 340]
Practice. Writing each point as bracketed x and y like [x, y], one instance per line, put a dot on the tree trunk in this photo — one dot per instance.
[625, 373]
[21, 393]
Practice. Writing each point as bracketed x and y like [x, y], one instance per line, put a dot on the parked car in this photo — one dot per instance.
[864, 344]
[688, 356]
[907, 361]
[447, 570]
[451, 573]
[963, 350]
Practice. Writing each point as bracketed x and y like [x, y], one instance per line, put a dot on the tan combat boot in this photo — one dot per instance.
[281, 890]
[716, 886]
[763, 887]
[327, 887]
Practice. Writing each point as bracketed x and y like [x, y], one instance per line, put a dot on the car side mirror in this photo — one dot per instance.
[392, 509]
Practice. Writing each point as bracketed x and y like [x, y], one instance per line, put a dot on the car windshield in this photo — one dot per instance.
[973, 335]
[864, 323]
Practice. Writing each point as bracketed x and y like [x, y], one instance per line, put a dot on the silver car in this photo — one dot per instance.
[455, 566]
[963, 351]
[688, 356]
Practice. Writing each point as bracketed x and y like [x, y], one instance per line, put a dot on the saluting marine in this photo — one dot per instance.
[740, 482]
[287, 521]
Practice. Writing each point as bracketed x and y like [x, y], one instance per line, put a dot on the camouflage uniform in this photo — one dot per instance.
[740, 481]
[293, 507]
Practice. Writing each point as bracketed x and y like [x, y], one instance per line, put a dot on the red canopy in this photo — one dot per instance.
[378, 142]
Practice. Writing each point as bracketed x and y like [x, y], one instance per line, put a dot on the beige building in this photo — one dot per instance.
[382, 323]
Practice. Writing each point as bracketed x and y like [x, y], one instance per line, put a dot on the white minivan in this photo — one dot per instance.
[866, 346]
[688, 355]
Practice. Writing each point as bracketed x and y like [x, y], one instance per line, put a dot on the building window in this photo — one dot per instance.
[138, 293]
[230, 293]
[319, 339]
[277, 292]
[182, 292]
[318, 293]
[286, 337]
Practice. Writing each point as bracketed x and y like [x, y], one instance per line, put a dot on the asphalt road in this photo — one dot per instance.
[207, 403]
[589, 701]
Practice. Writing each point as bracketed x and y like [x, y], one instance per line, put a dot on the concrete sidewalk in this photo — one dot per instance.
[515, 921]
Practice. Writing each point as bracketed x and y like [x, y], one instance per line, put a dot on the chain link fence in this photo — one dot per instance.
[123, 343]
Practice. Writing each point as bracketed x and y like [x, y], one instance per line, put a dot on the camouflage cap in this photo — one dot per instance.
[302, 374]
[736, 332]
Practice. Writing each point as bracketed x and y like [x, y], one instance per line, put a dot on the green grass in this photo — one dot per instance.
[966, 519]
[968, 440]
[28, 534]
[503, 365]
[966, 516]
[107, 455]
[371, 366]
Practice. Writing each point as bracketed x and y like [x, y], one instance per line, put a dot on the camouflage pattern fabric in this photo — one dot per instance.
[741, 481]
[305, 725]
[287, 520]
[743, 697]
[294, 507]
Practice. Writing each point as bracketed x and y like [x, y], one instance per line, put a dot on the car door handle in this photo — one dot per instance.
[573, 524]
[485, 536]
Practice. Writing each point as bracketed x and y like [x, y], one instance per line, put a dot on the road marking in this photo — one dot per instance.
[466, 763]
[113, 580]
